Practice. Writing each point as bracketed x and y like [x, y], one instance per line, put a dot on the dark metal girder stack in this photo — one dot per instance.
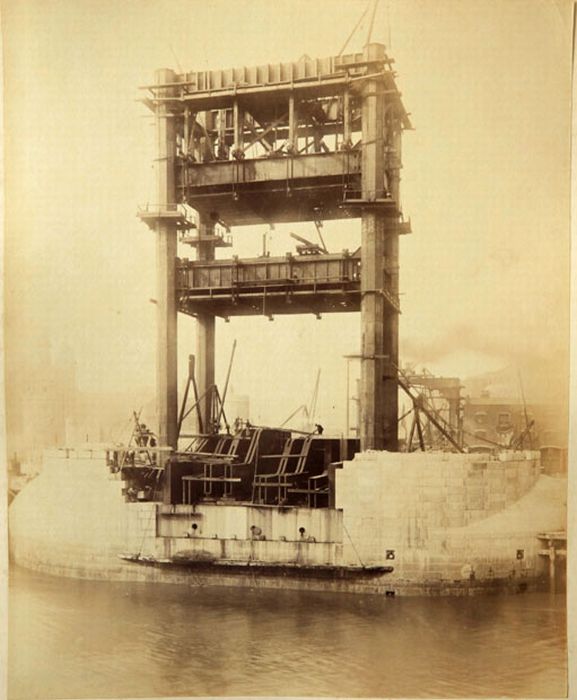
[269, 286]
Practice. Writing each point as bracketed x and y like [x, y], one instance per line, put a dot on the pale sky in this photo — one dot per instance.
[484, 276]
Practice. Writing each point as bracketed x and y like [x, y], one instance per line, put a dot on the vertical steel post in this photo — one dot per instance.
[292, 146]
[392, 274]
[552, 561]
[205, 333]
[222, 152]
[166, 348]
[238, 129]
[379, 263]
[346, 119]
[348, 413]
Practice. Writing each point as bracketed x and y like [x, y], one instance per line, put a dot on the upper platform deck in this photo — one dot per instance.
[280, 142]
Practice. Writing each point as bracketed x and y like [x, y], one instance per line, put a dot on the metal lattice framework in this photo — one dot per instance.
[314, 140]
[278, 142]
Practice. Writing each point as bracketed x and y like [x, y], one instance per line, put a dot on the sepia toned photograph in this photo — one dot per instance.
[286, 346]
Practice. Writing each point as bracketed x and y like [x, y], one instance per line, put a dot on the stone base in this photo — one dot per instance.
[446, 524]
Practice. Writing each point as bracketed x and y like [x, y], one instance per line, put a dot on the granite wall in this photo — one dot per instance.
[442, 516]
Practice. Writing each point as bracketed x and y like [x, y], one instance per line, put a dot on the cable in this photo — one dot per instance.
[372, 22]
[354, 29]
[353, 544]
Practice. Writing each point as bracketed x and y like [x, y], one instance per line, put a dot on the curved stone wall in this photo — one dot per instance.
[443, 516]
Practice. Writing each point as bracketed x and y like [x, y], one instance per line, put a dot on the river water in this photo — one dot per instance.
[80, 639]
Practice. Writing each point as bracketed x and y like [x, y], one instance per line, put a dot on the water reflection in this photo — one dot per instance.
[90, 639]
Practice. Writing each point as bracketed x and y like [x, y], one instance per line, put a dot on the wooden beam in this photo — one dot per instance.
[263, 134]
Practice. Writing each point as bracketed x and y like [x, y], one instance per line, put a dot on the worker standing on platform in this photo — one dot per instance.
[145, 437]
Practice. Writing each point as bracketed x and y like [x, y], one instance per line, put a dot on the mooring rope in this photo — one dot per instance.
[353, 545]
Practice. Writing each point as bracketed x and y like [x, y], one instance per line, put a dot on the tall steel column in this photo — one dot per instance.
[205, 331]
[392, 230]
[379, 264]
[166, 308]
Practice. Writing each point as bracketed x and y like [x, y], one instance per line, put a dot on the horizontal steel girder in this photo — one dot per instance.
[268, 286]
[276, 189]
[211, 177]
[280, 189]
